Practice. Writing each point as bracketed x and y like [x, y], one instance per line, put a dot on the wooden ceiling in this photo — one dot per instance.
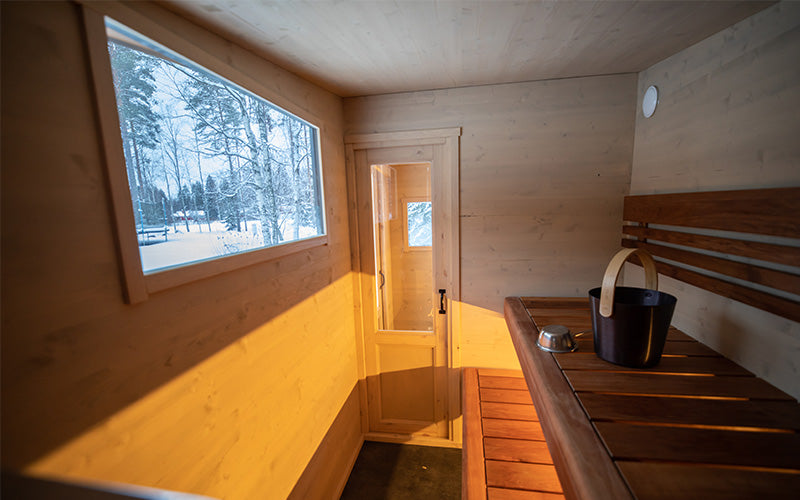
[355, 48]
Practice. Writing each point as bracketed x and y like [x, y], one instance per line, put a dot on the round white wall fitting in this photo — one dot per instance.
[649, 101]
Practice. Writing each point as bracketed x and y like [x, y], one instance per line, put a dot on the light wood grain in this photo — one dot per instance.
[223, 387]
[393, 386]
[327, 472]
[695, 142]
[377, 48]
[543, 168]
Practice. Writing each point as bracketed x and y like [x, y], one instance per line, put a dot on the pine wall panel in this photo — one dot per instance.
[544, 167]
[225, 386]
[728, 118]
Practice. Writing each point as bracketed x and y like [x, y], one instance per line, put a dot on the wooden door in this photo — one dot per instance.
[405, 243]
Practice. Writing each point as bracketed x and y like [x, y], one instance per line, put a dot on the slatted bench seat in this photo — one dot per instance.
[697, 425]
[505, 455]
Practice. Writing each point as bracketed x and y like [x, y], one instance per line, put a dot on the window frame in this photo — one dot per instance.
[138, 285]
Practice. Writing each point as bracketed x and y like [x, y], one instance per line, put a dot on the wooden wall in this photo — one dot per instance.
[544, 167]
[728, 118]
[412, 269]
[223, 387]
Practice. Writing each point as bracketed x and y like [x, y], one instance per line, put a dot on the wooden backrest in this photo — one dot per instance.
[744, 245]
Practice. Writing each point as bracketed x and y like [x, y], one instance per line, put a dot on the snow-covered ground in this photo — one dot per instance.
[198, 244]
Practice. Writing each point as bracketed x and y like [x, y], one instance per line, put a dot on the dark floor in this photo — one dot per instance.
[385, 471]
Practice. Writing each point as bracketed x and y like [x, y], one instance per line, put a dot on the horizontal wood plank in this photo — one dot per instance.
[707, 446]
[674, 385]
[508, 494]
[674, 364]
[721, 413]
[513, 429]
[658, 481]
[509, 411]
[779, 280]
[568, 303]
[516, 450]
[675, 335]
[499, 372]
[505, 395]
[678, 348]
[493, 382]
[760, 211]
[782, 254]
[522, 476]
[756, 298]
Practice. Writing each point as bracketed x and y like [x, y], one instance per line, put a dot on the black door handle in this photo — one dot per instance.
[442, 291]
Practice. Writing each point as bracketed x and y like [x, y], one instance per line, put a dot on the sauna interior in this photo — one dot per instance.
[260, 376]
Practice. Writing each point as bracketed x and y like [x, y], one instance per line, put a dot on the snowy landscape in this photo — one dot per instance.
[213, 169]
[181, 247]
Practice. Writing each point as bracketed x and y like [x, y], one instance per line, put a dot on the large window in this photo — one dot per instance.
[213, 170]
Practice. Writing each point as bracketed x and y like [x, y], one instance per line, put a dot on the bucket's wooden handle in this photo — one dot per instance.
[612, 274]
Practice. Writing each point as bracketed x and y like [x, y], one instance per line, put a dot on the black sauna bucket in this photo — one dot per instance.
[630, 324]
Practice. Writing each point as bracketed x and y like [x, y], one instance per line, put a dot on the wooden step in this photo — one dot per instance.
[505, 456]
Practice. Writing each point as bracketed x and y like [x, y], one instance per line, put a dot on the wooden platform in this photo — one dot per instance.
[505, 454]
[696, 426]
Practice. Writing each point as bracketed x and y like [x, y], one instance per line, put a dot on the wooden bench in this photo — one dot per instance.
[696, 426]
[505, 455]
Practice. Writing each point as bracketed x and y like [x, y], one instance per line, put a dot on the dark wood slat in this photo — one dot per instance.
[768, 252]
[509, 411]
[759, 414]
[760, 211]
[678, 385]
[707, 446]
[656, 481]
[507, 494]
[570, 303]
[685, 400]
[473, 476]
[752, 273]
[696, 364]
[517, 383]
[522, 476]
[584, 467]
[505, 395]
[676, 335]
[512, 429]
[516, 450]
[679, 348]
[762, 300]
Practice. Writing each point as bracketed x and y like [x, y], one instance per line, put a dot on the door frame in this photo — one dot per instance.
[444, 193]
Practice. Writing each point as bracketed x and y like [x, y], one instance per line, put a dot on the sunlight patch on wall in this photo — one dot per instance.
[243, 423]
